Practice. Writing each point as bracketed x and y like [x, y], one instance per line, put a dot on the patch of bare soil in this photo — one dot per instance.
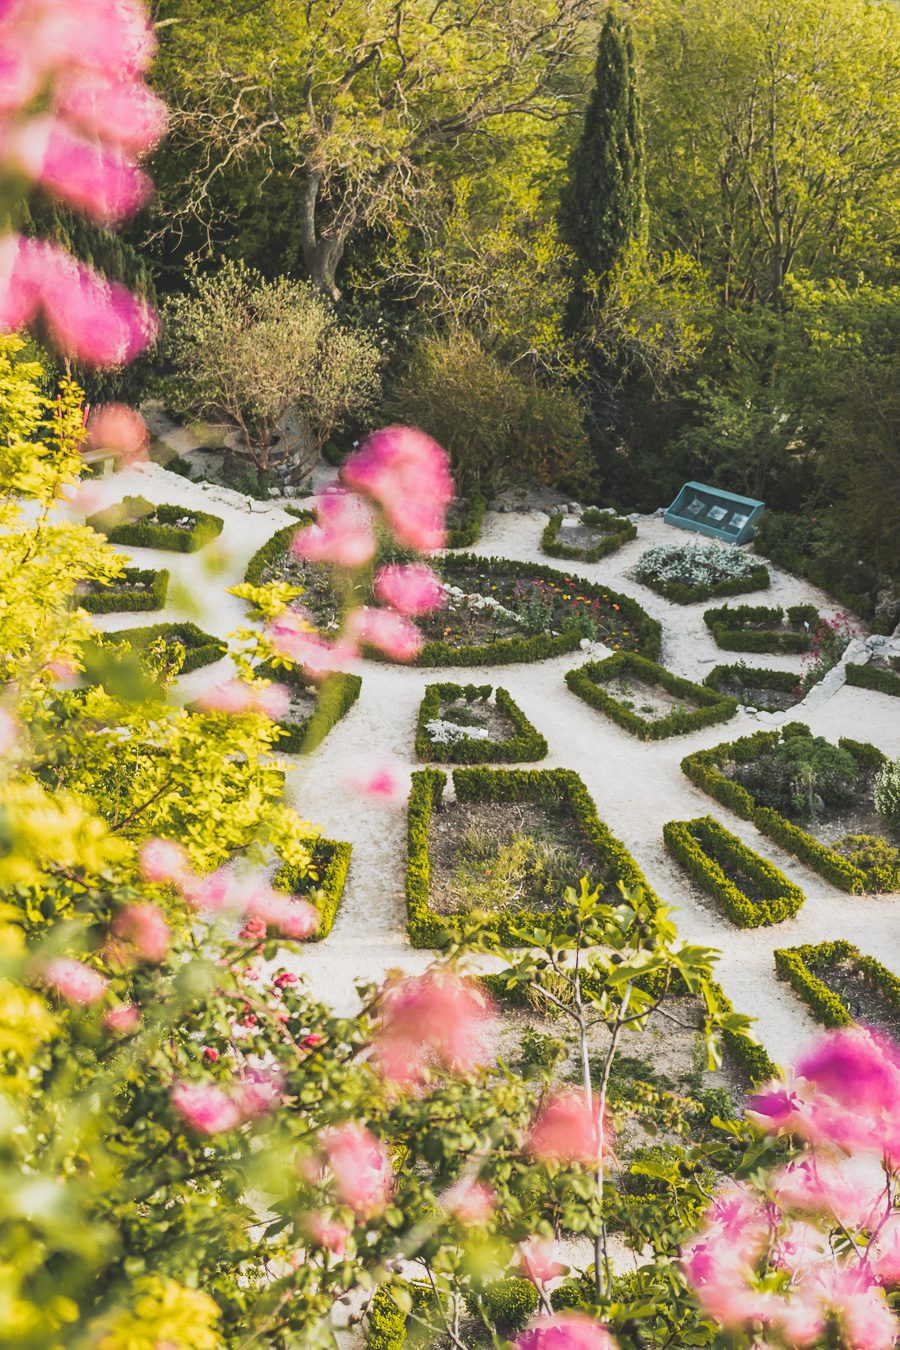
[647, 699]
[756, 696]
[503, 856]
[861, 996]
[303, 701]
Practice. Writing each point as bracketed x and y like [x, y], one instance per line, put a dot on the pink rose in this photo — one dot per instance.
[343, 534]
[122, 1021]
[411, 590]
[388, 631]
[360, 1168]
[162, 860]
[328, 1233]
[565, 1331]
[436, 1020]
[76, 983]
[117, 427]
[538, 1259]
[470, 1202]
[144, 926]
[408, 474]
[566, 1130]
[205, 1107]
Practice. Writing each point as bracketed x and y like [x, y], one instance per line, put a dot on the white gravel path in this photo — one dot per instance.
[637, 787]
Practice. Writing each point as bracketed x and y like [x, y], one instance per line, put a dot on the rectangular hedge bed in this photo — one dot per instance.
[753, 892]
[625, 670]
[840, 985]
[140, 523]
[763, 628]
[532, 798]
[710, 770]
[601, 532]
[330, 863]
[200, 648]
[509, 737]
[772, 690]
[882, 678]
[315, 708]
[136, 588]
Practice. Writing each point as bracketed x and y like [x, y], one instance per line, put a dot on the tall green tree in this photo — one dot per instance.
[602, 205]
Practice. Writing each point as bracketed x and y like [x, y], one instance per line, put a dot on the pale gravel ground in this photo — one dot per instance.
[637, 787]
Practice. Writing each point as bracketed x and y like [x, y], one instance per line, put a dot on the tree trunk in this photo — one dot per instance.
[322, 253]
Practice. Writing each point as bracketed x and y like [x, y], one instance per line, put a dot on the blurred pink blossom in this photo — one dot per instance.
[122, 1021]
[76, 982]
[408, 474]
[98, 35]
[814, 1184]
[259, 1091]
[360, 1167]
[205, 1107]
[163, 860]
[537, 1257]
[315, 655]
[9, 732]
[470, 1202]
[272, 700]
[343, 533]
[884, 1251]
[436, 1020]
[144, 926]
[566, 1130]
[234, 697]
[385, 781]
[124, 111]
[289, 915]
[412, 590]
[565, 1331]
[390, 632]
[328, 1233]
[114, 426]
[100, 181]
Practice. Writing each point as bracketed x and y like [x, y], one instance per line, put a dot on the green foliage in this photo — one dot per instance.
[873, 677]
[763, 628]
[887, 793]
[874, 856]
[705, 848]
[802, 776]
[199, 648]
[505, 1304]
[752, 677]
[335, 696]
[135, 588]
[616, 531]
[806, 970]
[587, 682]
[386, 1322]
[136, 521]
[523, 743]
[466, 532]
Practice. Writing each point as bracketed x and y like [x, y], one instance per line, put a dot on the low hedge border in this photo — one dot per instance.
[796, 965]
[544, 786]
[525, 743]
[466, 533]
[331, 861]
[683, 594]
[587, 682]
[116, 599]
[621, 531]
[872, 677]
[337, 695]
[702, 845]
[200, 648]
[703, 769]
[273, 548]
[752, 677]
[165, 535]
[727, 626]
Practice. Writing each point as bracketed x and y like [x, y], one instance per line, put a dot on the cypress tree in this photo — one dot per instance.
[602, 205]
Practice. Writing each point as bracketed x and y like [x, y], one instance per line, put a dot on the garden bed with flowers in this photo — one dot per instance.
[593, 535]
[841, 985]
[763, 628]
[475, 724]
[689, 572]
[647, 699]
[276, 562]
[508, 845]
[140, 523]
[138, 588]
[757, 687]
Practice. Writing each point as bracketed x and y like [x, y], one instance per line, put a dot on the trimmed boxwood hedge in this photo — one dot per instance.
[466, 532]
[128, 592]
[728, 626]
[200, 648]
[702, 846]
[164, 533]
[336, 696]
[588, 680]
[273, 548]
[330, 859]
[873, 677]
[703, 768]
[752, 677]
[621, 530]
[549, 787]
[797, 965]
[525, 742]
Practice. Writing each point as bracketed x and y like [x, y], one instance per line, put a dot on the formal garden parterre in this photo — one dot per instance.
[475, 724]
[841, 985]
[587, 538]
[141, 523]
[646, 699]
[763, 628]
[137, 588]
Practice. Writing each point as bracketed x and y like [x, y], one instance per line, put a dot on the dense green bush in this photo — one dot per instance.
[386, 1322]
[464, 533]
[887, 793]
[802, 967]
[801, 777]
[588, 680]
[323, 885]
[705, 848]
[508, 1304]
[618, 530]
[200, 648]
[729, 626]
[873, 677]
[138, 522]
[873, 855]
[524, 743]
[137, 588]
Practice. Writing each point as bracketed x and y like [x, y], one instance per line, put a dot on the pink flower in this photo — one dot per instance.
[328, 1233]
[76, 983]
[384, 782]
[538, 1260]
[162, 860]
[205, 1107]
[313, 1040]
[360, 1167]
[470, 1202]
[388, 631]
[99, 35]
[122, 1021]
[432, 1020]
[816, 1184]
[855, 1068]
[343, 534]
[124, 111]
[408, 474]
[316, 656]
[565, 1331]
[884, 1252]
[412, 590]
[861, 1308]
[287, 914]
[92, 178]
[144, 926]
[259, 1092]
[232, 697]
[9, 732]
[211, 893]
[118, 427]
[272, 700]
[566, 1130]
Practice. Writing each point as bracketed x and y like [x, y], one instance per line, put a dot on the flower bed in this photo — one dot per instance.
[464, 521]
[827, 974]
[752, 891]
[137, 588]
[324, 885]
[609, 530]
[138, 522]
[773, 690]
[317, 708]
[557, 791]
[763, 628]
[628, 672]
[200, 648]
[689, 572]
[436, 739]
[882, 678]
[712, 770]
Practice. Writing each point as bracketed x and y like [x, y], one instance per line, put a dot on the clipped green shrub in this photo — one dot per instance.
[137, 588]
[138, 522]
[802, 968]
[524, 743]
[617, 530]
[325, 886]
[887, 793]
[508, 1304]
[588, 681]
[706, 849]
[273, 548]
[748, 678]
[200, 649]
[386, 1322]
[873, 855]
[773, 629]
[873, 677]
[464, 532]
